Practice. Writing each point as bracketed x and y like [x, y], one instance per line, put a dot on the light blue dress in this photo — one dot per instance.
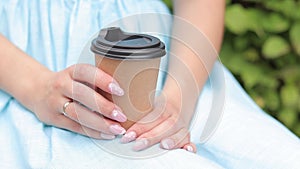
[55, 32]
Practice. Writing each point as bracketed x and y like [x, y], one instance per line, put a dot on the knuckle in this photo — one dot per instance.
[171, 122]
[102, 78]
[99, 124]
[105, 107]
[102, 128]
[100, 74]
[80, 71]
[58, 83]
[105, 123]
[188, 135]
[150, 135]
[78, 90]
[139, 128]
[71, 68]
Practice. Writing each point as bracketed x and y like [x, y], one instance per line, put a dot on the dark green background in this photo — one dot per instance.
[262, 49]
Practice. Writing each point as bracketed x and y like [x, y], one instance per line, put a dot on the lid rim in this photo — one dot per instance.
[137, 54]
[114, 43]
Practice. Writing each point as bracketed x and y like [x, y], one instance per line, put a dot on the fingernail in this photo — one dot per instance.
[116, 129]
[128, 137]
[167, 143]
[115, 89]
[190, 148]
[140, 144]
[118, 115]
[107, 136]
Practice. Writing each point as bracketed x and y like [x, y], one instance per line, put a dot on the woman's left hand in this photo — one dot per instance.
[166, 124]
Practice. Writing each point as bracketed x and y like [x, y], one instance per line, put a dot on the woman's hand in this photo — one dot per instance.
[88, 113]
[45, 93]
[166, 125]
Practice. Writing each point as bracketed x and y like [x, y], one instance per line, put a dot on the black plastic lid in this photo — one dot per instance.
[114, 43]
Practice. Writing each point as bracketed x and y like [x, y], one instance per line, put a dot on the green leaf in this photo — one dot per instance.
[289, 73]
[226, 53]
[240, 43]
[269, 81]
[254, 20]
[296, 129]
[288, 117]
[289, 60]
[236, 19]
[289, 95]
[295, 37]
[286, 7]
[240, 20]
[251, 54]
[251, 75]
[256, 41]
[272, 100]
[275, 23]
[237, 64]
[275, 47]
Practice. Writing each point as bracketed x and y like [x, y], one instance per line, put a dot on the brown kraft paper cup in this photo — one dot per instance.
[133, 60]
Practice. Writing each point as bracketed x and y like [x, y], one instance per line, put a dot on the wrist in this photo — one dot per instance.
[181, 94]
[20, 74]
[34, 87]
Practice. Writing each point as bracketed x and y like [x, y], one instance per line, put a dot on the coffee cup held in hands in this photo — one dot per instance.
[133, 60]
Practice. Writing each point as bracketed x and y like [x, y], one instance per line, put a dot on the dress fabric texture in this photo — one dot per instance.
[54, 32]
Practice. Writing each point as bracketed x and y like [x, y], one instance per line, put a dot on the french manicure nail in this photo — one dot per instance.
[167, 143]
[115, 89]
[117, 129]
[140, 144]
[128, 137]
[190, 148]
[107, 136]
[118, 115]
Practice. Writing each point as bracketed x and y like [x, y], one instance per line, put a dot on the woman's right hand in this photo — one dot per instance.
[88, 113]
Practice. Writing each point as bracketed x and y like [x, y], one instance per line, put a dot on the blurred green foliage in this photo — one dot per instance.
[262, 49]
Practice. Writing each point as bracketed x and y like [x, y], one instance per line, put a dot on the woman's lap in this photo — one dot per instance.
[246, 137]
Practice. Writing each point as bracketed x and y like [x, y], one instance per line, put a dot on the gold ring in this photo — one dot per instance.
[65, 107]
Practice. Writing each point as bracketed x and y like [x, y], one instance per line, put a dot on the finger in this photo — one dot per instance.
[91, 99]
[139, 128]
[156, 134]
[94, 76]
[147, 123]
[190, 147]
[66, 123]
[177, 140]
[92, 120]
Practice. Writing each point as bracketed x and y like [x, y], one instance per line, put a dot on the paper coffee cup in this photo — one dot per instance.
[133, 60]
